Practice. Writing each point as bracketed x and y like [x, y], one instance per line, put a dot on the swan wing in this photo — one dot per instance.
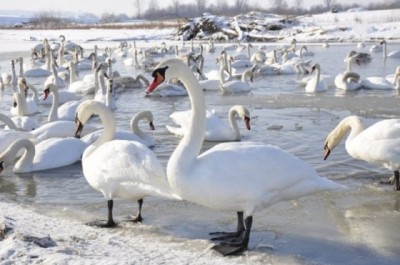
[127, 168]
[58, 152]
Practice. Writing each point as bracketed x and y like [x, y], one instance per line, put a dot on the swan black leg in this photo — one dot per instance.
[396, 180]
[230, 235]
[110, 222]
[138, 217]
[237, 247]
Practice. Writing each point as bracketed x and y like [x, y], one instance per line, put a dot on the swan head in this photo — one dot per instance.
[48, 89]
[315, 67]
[83, 113]
[159, 76]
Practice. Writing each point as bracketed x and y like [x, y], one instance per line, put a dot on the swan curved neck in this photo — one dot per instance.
[108, 120]
[53, 113]
[189, 147]
[233, 112]
[352, 124]
[135, 122]
[25, 161]
[8, 122]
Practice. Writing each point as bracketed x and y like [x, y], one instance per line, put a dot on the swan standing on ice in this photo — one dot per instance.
[44, 155]
[378, 144]
[119, 168]
[241, 176]
[217, 130]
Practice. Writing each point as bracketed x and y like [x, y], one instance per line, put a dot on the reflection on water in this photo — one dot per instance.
[368, 214]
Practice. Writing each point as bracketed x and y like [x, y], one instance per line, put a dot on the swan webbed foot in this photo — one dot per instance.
[226, 249]
[134, 219]
[102, 223]
[221, 236]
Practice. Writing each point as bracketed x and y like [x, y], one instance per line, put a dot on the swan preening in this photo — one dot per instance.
[378, 144]
[119, 168]
[238, 176]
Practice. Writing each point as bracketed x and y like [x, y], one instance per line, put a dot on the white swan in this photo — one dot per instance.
[392, 54]
[88, 84]
[348, 80]
[54, 78]
[136, 134]
[21, 106]
[10, 78]
[34, 71]
[377, 82]
[235, 86]
[315, 84]
[64, 112]
[240, 176]
[377, 144]
[62, 94]
[45, 155]
[217, 129]
[119, 168]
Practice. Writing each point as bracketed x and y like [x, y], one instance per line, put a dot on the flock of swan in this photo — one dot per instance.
[238, 176]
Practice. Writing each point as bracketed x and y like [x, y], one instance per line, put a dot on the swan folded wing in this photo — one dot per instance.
[130, 158]
[58, 152]
[218, 129]
[285, 175]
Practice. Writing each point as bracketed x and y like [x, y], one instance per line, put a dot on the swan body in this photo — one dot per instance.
[61, 129]
[348, 81]
[238, 176]
[217, 130]
[236, 86]
[377, 82]
[119, 168]
[136, 134]
[315, 84]
[377, 144]
[64, 112]
[45, 155]
[21, 106]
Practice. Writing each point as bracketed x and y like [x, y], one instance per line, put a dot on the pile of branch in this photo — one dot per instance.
[250, 27]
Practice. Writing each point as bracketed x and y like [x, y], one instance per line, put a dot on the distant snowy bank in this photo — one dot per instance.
[354, 26]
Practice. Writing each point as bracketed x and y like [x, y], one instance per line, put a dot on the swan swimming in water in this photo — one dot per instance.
[44, 155]
[315, 84]
[378, 144]
[217, 130]
[119, 168]
[238, 176]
